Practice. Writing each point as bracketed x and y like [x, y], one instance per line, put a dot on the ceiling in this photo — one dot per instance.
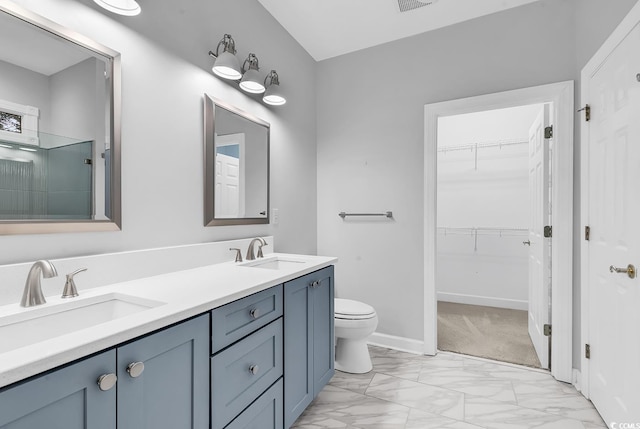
[31, 48]
[328, 28]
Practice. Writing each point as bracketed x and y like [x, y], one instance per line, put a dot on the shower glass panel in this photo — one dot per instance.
[38, 183]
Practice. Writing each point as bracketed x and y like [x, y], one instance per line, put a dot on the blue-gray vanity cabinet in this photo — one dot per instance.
[172, 391]
[264, 413]
[238, 319]
[67, 398]
[309, 340]
[242, 372]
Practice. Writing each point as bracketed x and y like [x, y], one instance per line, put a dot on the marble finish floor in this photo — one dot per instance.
[406, 391]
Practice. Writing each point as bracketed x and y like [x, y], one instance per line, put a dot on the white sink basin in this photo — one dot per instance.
[51, 320]
[275, 263]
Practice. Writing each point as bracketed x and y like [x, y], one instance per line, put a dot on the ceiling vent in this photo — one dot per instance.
[407, 5]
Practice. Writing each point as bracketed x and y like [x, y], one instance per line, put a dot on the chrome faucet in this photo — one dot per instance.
[32, 294]
[250, 253]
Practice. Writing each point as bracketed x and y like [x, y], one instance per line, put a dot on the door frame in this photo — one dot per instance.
[561, 95]
[624, 28]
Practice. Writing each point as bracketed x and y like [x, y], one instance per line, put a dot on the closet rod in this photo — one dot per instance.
[484, 231]
[386, 214]
[477, 146]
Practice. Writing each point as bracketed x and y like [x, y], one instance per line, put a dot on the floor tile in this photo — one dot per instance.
[447, 391]
[424, 397]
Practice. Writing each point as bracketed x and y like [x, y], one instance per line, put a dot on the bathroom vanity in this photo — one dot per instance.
[223, 346]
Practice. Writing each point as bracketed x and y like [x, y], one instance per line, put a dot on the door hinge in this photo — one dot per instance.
[548, 132]
[548, 231]
[547, 330]
[587, 351]
[587, 233]
[587, 112]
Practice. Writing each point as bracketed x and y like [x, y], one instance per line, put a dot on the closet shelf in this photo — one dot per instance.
[483, 145]
[474, 230]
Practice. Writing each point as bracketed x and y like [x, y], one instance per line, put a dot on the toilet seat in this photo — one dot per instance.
[347, 309]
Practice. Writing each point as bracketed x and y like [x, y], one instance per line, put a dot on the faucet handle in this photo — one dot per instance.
[70, 289]
[238, 253]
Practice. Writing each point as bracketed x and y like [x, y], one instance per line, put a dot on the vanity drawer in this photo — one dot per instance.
[237, 319]
[244, 371]
[264, 413]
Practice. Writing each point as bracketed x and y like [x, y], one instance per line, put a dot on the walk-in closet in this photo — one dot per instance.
[486, 206]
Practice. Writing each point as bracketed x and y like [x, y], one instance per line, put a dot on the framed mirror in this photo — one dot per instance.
[59, 128]
[236, 166]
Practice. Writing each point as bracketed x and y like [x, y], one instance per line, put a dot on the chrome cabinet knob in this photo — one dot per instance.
[527, 243]
[314, 284]
[253, 369]
[254, 313]
[135, 369]
[107, 381]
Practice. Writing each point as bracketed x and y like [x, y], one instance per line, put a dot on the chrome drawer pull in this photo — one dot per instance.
[135, 369]
[255, 313]
[107, 381]
[253, 369]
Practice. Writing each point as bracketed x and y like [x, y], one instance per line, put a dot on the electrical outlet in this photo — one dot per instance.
[275, 218]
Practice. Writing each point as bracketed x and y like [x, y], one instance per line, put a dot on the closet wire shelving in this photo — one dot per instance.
[476, 231]
[474, 147]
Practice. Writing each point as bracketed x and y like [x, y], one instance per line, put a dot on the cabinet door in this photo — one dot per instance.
[68, 398]
[298, 373]
[323, 331]
[173, 389]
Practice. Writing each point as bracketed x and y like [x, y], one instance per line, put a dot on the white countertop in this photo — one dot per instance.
[184, 294]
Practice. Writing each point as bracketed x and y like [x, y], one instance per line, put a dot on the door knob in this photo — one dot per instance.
[107, 381]
[135, 369]
[527, 243]
[630, 270]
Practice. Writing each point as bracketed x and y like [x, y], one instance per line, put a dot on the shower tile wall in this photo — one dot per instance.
[23, 188]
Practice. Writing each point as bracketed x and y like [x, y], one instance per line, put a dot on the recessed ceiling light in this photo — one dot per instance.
[121, 7]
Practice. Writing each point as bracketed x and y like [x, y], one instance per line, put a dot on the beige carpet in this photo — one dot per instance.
[488, 332]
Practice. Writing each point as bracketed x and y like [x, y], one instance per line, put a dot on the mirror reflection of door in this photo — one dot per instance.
[229, 179]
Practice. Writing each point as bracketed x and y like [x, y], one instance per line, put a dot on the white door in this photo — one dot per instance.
[539, 269]
[227, 191]
[613, 217]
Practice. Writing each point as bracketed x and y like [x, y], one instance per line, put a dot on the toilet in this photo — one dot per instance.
[354, 322]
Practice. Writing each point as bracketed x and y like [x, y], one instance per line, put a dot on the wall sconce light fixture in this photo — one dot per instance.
[121, 7]
[251, 81]
[248, 77]
[273, 94]
[226, 65]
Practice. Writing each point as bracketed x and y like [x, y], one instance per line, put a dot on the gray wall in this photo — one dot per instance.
[166, 71]
[23, 86]
[370, 134]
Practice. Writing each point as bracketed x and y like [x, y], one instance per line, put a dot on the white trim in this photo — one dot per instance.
[561, 95]
[594, 64]
[397, 343]
[577, 379]
[487, 301]
[30, 115]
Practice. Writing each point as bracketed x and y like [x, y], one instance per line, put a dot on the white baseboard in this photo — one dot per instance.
[487, 301]
[397, 343]
[577, 379]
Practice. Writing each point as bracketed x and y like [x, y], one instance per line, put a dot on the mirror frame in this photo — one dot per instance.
[210, 104]
[48, 226]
